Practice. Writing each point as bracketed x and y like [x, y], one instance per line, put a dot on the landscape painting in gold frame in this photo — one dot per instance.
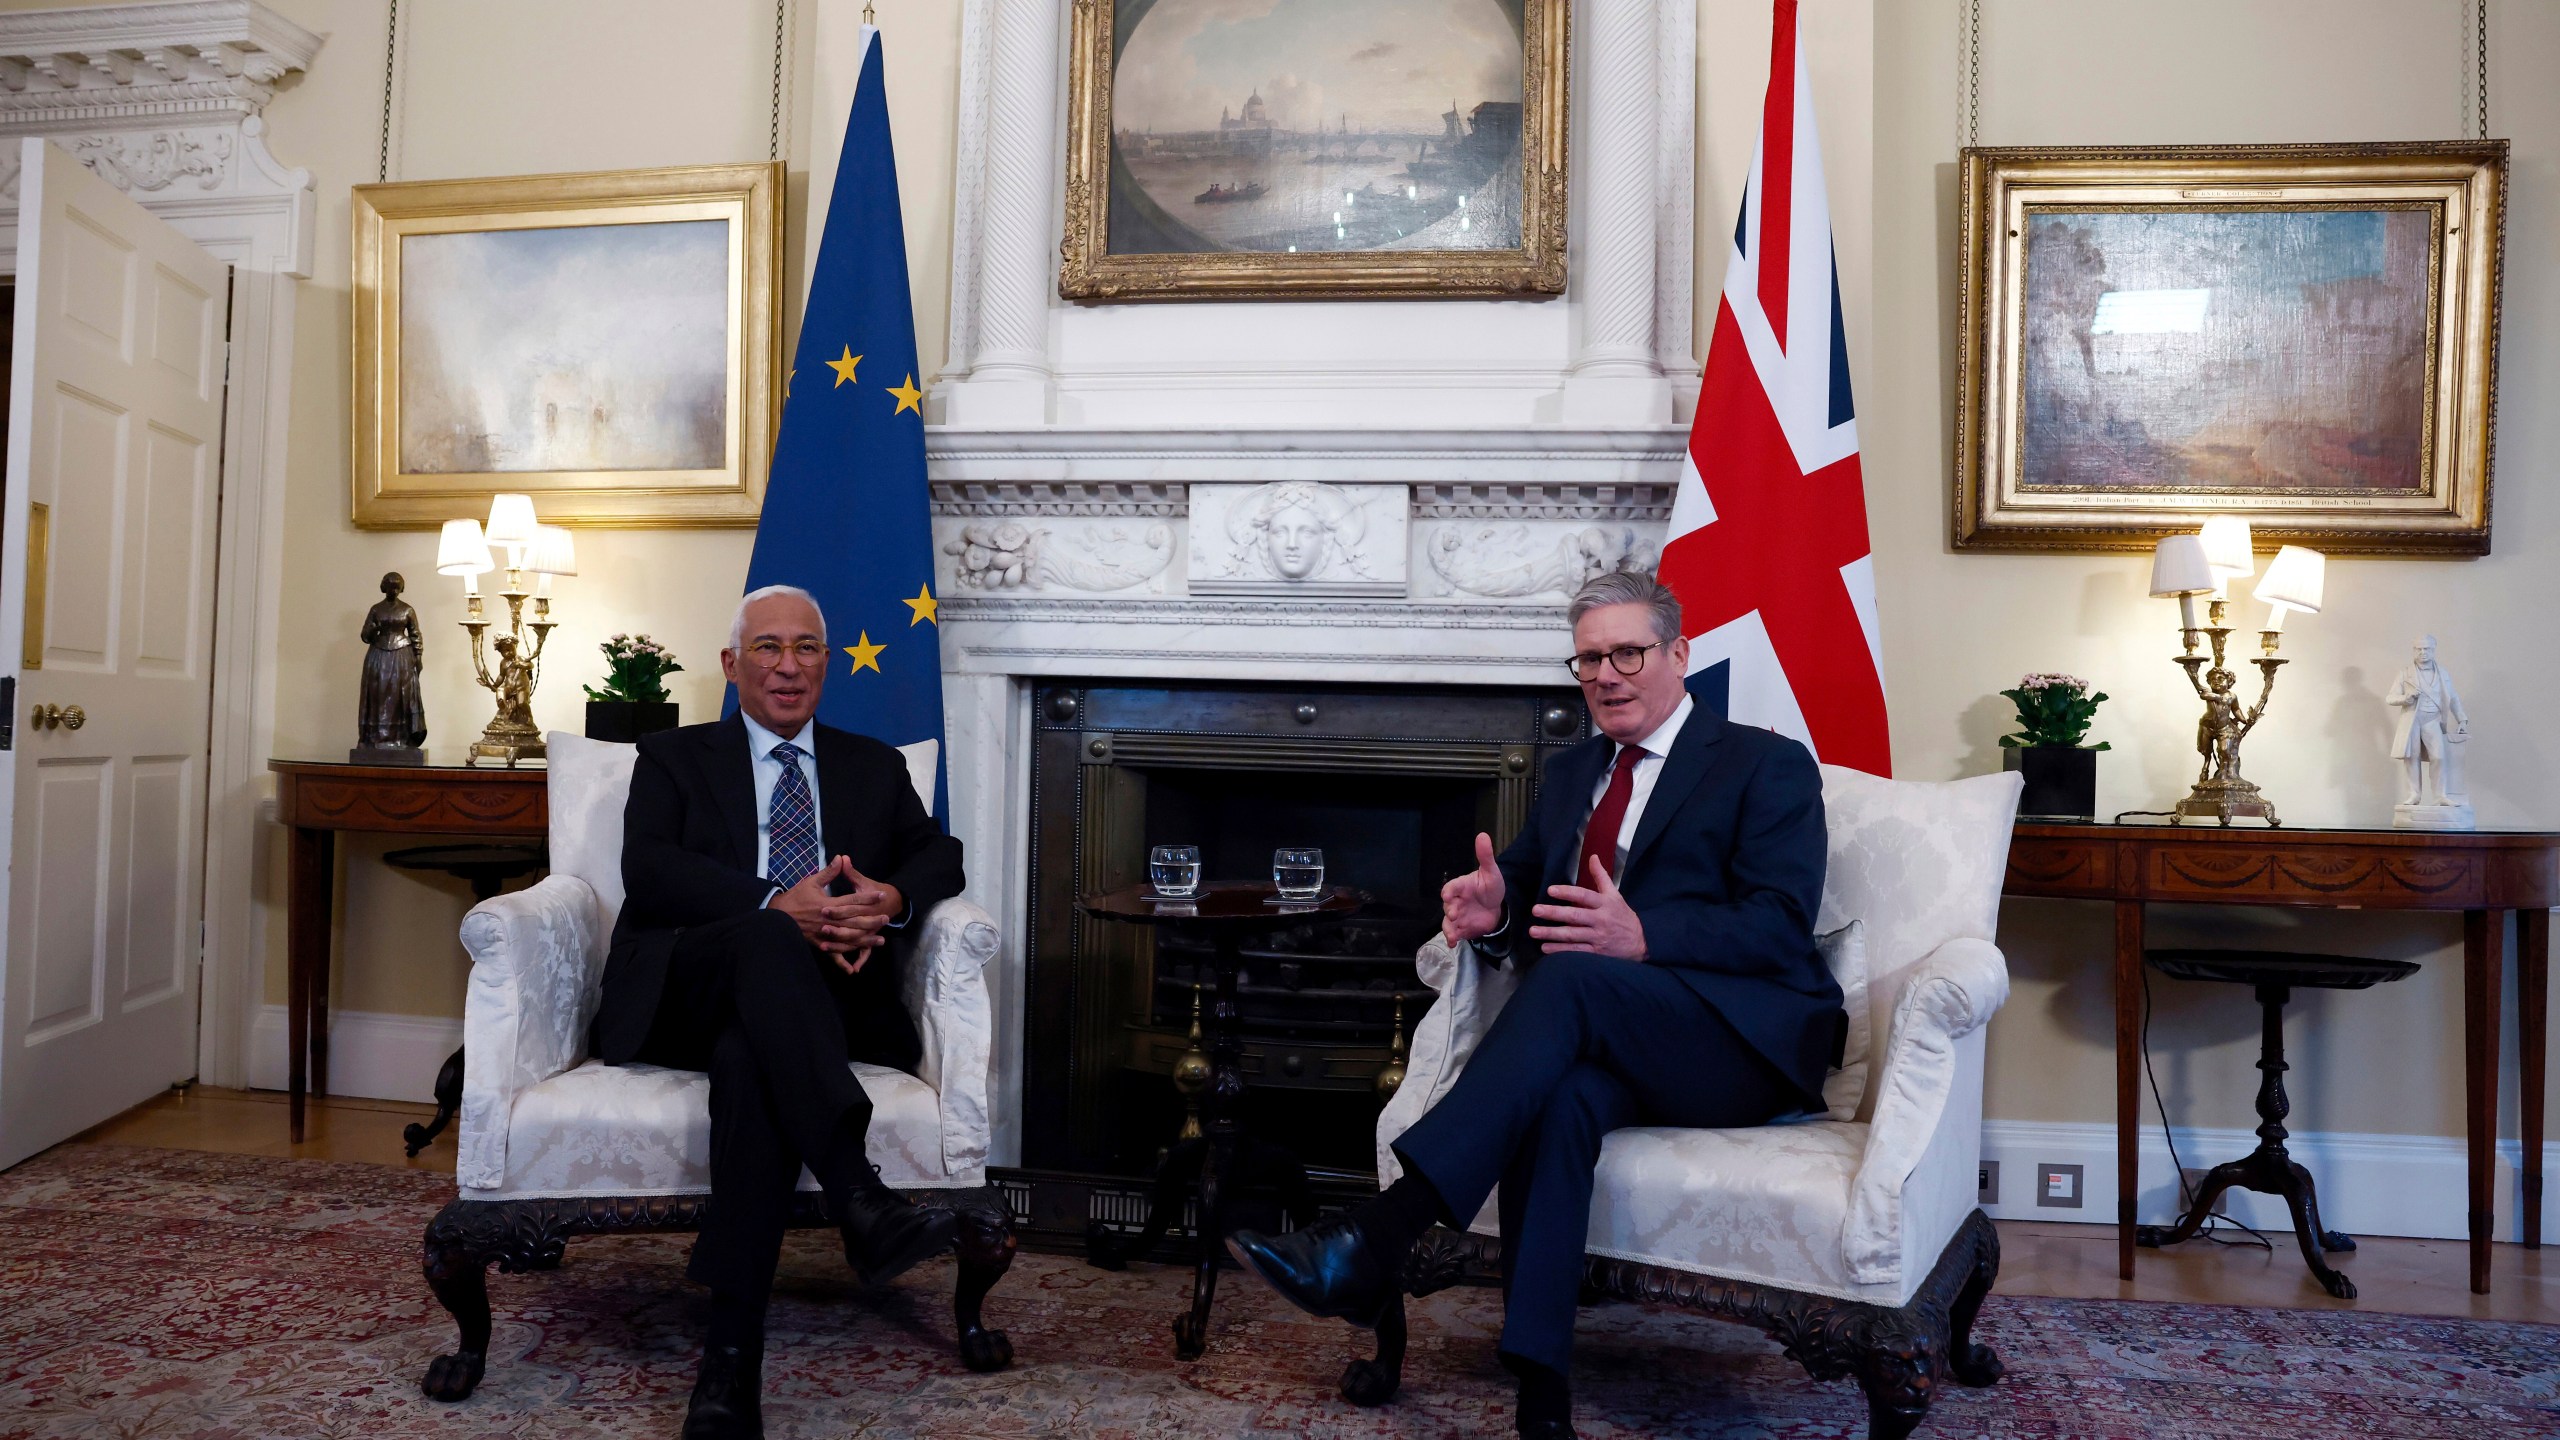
[2305, 336]
[606, 343]
[1316, 150]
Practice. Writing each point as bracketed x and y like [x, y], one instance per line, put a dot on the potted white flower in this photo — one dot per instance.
[634, 699]
[2054, 712]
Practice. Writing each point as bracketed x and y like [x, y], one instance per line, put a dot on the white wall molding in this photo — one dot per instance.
[165, 101]
[2414, 1185]
[371, 1055]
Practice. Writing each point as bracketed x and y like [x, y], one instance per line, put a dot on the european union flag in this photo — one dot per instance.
[846, 514]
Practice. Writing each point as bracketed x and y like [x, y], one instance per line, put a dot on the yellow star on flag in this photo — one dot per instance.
[866, 656]
[925, 606]
[844, 366]
[909, 398]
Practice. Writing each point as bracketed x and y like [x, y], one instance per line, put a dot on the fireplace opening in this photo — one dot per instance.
[1392, 784]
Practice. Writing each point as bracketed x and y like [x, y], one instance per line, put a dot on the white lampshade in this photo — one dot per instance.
[511, 520]
[2179, 567]
[554, 553]
[2227, 548]
[2294, 580]
[462, 551]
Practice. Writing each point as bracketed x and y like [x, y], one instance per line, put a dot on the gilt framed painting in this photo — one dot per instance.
[2302, 335]
[1317, 149]
[606, 343]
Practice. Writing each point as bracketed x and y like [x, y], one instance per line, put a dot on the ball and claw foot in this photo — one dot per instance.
[2338, 1285]
[2337, 1242]
[985, 1350]
[454, 1377]
[1190, 1338]
[1365, 1382]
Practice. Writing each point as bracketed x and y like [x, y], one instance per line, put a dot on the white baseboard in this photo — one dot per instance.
[2413, 1185]
[374, 1055]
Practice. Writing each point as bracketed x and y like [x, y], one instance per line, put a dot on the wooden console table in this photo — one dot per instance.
[319, 798]
[2482, 874]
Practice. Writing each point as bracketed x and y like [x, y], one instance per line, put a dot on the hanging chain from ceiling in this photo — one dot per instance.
[2480, 47]
[390, 67]
[1973, 75]
[781, 28]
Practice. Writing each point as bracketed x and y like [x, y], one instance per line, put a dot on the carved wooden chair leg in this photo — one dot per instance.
[456, 1260]
[985, 1248]
[1897, 1366]
[1973, 1364]
[1375, 1381]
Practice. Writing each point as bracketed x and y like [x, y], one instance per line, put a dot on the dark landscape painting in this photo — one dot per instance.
[1312, 126]
[2241, 351]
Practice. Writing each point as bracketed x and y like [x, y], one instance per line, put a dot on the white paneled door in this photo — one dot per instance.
[106, 603]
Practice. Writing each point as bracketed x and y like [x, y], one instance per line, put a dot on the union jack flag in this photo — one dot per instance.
[1768, 543]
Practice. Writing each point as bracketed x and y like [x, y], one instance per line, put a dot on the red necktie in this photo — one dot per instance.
[1600, 837]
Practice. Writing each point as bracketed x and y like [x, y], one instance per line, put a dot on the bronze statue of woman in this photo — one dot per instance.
[391, 718]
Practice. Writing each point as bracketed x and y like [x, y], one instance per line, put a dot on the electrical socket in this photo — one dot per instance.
[2058, 1187]
[1986, 1183]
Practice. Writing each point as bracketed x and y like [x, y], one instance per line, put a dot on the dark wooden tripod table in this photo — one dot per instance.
[1225, 917]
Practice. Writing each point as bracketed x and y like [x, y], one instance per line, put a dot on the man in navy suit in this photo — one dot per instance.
[1661, 900]
[756, 945]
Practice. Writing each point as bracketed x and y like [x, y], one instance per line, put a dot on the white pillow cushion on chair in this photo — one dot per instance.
[1917, 864]
[1845, 951]
[646, 1130]
[589, 782]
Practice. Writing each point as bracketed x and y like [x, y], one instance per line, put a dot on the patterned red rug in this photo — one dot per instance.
[162, 1292]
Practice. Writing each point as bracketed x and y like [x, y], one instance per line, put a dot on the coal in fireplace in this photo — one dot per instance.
[1391, 783]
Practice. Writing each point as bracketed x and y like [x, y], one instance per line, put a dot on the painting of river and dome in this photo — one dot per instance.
[1295, 130]
[1314, 125]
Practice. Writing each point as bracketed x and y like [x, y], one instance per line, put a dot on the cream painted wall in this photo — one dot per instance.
[496, 88]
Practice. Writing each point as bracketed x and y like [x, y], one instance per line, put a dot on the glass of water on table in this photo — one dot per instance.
[1297, 872]
[1174, 871]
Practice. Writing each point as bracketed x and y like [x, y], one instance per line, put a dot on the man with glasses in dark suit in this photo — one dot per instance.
[755, 945]
[1661, 899]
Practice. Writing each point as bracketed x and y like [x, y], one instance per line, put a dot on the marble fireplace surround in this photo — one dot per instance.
[1384, 557]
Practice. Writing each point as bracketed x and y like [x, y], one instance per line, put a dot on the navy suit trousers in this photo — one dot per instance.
[1587, 1045]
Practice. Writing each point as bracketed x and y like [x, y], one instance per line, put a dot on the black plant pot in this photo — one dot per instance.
[2062, 781]
[628, 720]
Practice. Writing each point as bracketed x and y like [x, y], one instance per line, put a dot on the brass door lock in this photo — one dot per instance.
[53, 717]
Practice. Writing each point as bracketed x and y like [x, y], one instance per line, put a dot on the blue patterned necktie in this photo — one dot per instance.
[792, 827]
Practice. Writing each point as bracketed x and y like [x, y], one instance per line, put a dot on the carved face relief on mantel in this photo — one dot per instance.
[1299, 538]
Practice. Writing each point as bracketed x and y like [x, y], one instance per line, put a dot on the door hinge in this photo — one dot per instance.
[8, 711]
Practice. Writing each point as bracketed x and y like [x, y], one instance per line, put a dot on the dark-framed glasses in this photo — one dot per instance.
[1626, 660]
[769, 653]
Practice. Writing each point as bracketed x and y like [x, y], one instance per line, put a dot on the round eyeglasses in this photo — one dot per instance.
[1626, 660]
[769, 653]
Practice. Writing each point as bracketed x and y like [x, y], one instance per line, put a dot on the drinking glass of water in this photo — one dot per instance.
[1297, 872]
[1174, 870]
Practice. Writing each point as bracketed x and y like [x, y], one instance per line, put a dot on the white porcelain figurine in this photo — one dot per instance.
[2432, 732]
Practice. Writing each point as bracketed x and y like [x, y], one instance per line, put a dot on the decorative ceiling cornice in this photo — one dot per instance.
[121, 64]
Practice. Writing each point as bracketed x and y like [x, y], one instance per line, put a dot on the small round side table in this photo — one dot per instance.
[1224, 917]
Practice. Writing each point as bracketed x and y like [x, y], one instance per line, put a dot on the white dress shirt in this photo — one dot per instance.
[1657, 749]
[768, 773]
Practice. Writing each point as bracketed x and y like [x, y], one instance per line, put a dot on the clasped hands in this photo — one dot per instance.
[1596, 919]
[847, 927]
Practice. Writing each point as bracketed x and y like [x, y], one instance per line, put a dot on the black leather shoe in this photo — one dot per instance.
[724, 1404]
[885, 1236]
[1327, 1270]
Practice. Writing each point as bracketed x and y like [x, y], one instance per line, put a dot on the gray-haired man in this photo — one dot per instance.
[1662, 897]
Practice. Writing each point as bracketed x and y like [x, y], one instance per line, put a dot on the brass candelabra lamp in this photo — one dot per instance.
[2205, 564]
[541, 551]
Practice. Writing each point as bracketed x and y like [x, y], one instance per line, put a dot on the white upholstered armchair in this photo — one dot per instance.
[1851, 1238]
[554, 1144]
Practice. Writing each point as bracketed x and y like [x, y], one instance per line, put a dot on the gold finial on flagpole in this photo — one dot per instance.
[867, 17]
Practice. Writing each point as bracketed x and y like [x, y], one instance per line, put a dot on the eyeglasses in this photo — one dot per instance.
[1626, 660]
[769, 653]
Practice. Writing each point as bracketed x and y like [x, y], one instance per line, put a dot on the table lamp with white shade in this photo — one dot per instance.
[2185, 566]
[465, 550]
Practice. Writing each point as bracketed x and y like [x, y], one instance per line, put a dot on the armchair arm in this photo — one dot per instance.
[1473, 989]
[1928, 1097]
[944, 986]
[537, 963]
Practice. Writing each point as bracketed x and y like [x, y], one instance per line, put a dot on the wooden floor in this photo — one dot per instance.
[2413, 1277]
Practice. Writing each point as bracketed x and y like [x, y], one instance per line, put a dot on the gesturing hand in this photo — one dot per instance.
[1471, 904]
[1597, 920]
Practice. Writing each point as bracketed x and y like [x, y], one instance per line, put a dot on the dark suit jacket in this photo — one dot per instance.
[689, 852]
[1725, 872]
